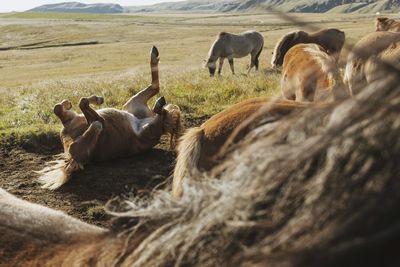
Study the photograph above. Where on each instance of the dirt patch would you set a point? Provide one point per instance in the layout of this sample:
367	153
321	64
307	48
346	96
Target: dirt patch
85	195
89	190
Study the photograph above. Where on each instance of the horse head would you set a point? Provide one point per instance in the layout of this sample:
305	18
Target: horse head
284	45
382	23
211	64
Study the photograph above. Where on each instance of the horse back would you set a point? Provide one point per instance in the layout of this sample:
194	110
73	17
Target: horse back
220	126
306	69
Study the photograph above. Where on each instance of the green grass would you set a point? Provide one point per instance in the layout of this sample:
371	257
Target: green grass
33	81
30	111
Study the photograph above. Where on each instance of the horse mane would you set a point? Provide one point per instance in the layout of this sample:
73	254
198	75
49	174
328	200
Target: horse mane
312	165
326	61
283	41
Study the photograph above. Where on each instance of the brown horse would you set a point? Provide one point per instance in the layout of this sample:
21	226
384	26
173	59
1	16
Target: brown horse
386	24
309	73
371	58
331	40
199	146
111	133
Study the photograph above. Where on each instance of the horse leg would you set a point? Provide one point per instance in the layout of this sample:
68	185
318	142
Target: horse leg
230	59
150	134
81	149
90	114
252	63
63	112
257	62
221	63
137	104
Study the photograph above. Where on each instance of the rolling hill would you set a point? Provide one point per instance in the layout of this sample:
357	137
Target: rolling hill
76	7
317	6
307	6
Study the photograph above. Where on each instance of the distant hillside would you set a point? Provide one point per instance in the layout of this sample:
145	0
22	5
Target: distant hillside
317	6
75	7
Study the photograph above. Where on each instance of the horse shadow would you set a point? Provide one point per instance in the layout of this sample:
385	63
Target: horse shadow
103	181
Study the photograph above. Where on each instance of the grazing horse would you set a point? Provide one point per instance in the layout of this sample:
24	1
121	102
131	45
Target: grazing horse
371	58
231	46
386	24
199	146
111	133
309	73
331	40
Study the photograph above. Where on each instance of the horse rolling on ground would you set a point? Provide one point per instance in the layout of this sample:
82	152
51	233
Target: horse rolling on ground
331	40
309	73
230	46
111	133
199	146
371	58
386	24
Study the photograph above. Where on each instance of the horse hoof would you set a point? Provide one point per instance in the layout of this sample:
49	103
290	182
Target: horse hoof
100	100
158	106
66	104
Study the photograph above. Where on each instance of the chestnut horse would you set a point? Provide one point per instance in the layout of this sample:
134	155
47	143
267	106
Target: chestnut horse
331	40
309	73
111	133
199	146
386	24
371	58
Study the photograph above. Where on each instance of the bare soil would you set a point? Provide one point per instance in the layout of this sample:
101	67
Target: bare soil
85	195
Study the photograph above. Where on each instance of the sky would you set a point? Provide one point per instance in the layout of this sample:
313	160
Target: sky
22	5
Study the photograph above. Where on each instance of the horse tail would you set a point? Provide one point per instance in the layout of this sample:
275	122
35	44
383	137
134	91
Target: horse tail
189	150
54	176
173	123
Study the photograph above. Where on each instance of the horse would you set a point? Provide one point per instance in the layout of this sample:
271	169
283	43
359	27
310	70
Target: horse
386	24
110	133
292	195
199	147
230	46
370	59
332	40
309	73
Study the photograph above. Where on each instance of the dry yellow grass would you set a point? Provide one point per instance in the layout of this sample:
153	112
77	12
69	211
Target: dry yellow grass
32	81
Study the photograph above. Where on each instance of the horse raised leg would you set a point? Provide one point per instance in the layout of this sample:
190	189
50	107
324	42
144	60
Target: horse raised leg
221	63
62	110
90	114
137	104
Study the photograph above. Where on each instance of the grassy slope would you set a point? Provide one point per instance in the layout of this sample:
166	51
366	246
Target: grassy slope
32	81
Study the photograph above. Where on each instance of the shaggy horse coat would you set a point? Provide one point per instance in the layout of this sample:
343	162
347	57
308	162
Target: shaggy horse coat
331	40
371	58
230	46
309	73
386	24
320	188
199	146
110	133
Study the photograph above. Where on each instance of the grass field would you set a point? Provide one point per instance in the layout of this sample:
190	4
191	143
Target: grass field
33	78
38	70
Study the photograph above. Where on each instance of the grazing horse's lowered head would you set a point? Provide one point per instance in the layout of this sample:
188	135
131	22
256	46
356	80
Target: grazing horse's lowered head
230	46
111	133
332	40
386	24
